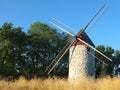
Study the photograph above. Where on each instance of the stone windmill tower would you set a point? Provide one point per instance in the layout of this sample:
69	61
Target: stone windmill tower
81	54
81	63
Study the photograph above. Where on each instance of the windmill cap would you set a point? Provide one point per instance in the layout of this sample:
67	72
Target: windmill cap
84	37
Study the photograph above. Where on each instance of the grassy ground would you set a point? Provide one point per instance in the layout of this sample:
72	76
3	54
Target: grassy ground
61	84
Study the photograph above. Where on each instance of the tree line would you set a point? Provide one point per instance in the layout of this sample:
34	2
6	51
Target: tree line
28	54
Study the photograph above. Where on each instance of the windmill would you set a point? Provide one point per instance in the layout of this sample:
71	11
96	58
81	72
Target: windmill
81	53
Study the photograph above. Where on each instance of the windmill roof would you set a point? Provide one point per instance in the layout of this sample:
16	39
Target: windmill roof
84	37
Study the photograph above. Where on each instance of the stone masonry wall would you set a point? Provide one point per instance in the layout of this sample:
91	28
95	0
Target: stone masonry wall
81	64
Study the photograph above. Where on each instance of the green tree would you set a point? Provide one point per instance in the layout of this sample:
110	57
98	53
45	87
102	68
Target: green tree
12	46
102	69
44	44
117	58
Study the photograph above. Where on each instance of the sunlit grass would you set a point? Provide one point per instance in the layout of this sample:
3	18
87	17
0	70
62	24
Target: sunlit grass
61	84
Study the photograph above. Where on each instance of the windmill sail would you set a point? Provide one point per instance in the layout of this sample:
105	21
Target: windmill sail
63	24
61	28
83	42
93	17
97	58
58	58
64	50
95	49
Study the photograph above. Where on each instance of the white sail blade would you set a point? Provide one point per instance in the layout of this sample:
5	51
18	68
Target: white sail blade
62	29
94	49
97	58
62	23
94	17
81	41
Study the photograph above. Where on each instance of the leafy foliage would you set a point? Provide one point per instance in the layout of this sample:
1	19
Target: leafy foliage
12	42
101	69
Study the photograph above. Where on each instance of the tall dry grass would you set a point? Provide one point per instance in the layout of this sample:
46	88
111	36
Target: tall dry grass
61	84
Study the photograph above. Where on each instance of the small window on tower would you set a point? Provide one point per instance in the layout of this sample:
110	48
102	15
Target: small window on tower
88	49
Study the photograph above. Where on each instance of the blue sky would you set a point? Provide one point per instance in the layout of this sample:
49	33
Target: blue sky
75	13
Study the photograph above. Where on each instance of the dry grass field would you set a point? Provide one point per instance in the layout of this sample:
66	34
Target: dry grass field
61	84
